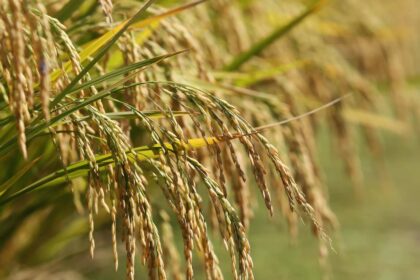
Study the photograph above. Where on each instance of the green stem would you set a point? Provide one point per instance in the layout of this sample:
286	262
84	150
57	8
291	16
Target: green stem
279	32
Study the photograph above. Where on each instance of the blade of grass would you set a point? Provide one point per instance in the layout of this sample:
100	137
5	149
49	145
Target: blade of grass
101	52
67	10
250	78
16	176
123	70
81	168
278	33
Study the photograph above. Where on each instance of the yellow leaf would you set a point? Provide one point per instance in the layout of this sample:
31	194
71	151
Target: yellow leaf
92	47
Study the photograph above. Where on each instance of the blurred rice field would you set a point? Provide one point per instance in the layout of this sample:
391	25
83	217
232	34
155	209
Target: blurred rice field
379	236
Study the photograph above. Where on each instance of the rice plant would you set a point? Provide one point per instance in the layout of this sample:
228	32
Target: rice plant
136	116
